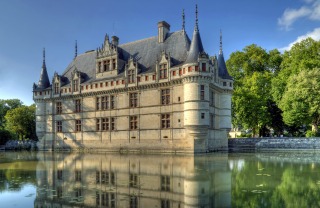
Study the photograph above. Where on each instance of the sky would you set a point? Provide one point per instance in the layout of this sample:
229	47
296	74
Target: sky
26	27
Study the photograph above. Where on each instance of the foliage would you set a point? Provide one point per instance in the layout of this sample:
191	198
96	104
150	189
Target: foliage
302	56
5	135
252	105
300	101
21	120
5	106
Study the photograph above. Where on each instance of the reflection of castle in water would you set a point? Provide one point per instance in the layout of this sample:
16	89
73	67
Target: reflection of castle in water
87	180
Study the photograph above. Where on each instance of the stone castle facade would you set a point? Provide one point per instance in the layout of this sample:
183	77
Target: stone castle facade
163	93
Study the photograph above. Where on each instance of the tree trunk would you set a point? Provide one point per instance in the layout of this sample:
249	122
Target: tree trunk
314	127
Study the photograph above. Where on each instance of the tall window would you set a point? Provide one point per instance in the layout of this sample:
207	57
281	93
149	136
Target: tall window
56	88
133	122
133	180
112	103
59	174
204	67
113	123
201	92
163	71
98	124
59	126
97	103
104	102
165	203
165	183
58	108
165	121
106	65
77	175
212	98
133	102
78	125
113	64
75	85
211	121
133	201
165	96
99	67
78	105
105	124
131	76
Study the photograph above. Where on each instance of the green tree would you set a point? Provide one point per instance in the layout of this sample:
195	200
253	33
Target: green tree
21	121
300	102
302	56
252	104
5	106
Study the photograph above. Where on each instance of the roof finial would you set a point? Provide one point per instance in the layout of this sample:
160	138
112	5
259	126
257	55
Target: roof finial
196	17
44	58
183	21
76	50
220	51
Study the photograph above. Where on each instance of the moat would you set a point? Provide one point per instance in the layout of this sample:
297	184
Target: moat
46	179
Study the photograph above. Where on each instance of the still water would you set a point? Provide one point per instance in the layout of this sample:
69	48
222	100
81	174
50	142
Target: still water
54	180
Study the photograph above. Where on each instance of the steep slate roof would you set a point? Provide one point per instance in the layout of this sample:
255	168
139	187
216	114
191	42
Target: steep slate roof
146	52
222	68
196	47
44	78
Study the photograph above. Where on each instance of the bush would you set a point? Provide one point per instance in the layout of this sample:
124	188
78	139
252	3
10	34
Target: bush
310	133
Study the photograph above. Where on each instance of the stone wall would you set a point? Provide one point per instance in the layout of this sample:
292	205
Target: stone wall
273	143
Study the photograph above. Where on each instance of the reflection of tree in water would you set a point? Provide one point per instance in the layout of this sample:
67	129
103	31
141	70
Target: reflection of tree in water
15	176
297	189
271	184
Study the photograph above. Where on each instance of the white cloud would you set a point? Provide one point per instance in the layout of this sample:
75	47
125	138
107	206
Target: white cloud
315	15
291	15
315	34
308	1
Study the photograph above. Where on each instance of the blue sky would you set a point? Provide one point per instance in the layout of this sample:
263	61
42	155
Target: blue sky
26	27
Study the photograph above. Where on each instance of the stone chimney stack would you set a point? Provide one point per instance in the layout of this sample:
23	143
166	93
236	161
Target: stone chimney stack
115	40
163	29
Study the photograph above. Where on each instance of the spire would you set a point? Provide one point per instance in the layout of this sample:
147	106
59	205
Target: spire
196	27
222	68
76	50
220	51
44	78
44	58
196	44
183	21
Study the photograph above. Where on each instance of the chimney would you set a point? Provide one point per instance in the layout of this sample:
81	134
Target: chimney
163	29
115	40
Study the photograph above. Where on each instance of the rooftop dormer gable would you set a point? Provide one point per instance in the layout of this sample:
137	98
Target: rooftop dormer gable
108	48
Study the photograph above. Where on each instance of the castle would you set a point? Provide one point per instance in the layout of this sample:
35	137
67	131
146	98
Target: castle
162	93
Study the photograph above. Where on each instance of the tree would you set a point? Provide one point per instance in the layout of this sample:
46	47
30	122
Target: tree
21	120
302	56
252	104
300	102
6	105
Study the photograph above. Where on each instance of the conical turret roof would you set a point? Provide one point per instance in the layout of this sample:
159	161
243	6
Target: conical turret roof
222	68
196	44
44	78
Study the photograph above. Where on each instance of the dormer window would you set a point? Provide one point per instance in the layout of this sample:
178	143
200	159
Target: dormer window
113	64
131	76
163	71
99	67
204	65
56	88
106	65
76	85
